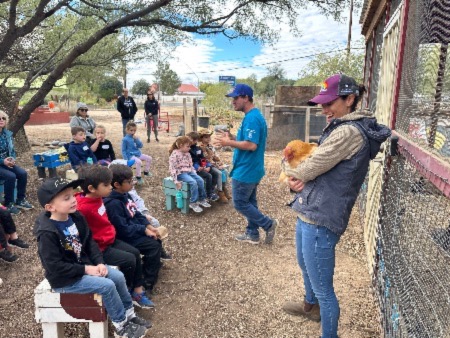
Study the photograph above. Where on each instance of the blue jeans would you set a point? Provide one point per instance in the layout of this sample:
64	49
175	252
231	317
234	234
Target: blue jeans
9	175
124	124
244	201
316	256
113	289
196	185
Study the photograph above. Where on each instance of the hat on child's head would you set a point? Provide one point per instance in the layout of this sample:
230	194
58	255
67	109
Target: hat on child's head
82	105
53	186
204	131
128	163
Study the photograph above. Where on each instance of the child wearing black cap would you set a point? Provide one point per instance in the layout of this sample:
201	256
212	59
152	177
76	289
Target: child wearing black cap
72	260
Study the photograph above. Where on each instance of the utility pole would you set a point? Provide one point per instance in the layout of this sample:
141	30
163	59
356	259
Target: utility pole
349	38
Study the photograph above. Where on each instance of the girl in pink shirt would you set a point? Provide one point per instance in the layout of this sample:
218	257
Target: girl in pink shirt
181	170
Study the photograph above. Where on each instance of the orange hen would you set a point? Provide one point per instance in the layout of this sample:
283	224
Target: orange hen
295	152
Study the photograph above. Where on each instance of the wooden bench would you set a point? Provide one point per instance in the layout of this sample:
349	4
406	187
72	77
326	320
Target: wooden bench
170	190
50	159
54	309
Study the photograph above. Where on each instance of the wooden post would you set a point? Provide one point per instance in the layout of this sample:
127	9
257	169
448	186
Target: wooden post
307	122
195	107
187	119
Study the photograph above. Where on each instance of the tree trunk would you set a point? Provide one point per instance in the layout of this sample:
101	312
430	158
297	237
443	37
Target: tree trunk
21	143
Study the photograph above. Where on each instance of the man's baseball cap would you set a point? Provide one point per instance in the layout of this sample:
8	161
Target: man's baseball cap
333	87
241	89
53	186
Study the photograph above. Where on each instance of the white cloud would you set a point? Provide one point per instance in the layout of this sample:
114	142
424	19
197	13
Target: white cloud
318	34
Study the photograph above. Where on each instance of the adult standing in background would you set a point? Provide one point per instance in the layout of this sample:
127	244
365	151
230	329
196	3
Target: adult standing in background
151	107
328	183
127	108
82	119
248	165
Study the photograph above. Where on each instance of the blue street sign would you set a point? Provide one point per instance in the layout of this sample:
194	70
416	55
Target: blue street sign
231	80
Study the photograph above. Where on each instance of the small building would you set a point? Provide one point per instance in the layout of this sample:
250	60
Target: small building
185	91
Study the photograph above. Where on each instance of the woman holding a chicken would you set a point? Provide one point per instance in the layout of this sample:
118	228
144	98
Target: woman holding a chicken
327	184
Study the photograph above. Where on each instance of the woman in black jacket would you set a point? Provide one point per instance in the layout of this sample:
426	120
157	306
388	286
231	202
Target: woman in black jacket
151	107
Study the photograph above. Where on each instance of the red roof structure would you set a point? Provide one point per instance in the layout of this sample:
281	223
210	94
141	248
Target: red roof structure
187	88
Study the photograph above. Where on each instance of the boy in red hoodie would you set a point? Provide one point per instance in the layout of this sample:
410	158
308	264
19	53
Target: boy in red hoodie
96	185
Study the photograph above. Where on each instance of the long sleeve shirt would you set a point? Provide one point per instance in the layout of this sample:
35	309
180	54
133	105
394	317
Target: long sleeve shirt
179	163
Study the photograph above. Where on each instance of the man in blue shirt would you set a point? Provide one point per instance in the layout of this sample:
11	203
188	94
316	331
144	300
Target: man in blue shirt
248	165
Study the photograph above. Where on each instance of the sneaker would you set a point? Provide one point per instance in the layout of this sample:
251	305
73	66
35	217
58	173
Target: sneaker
195	207
214	197
157	140
148	174
148	140
247	239
165	256
141	321
141	300
139	181
7	256
12	209
24	204
204	204
130	330
270	233
18	243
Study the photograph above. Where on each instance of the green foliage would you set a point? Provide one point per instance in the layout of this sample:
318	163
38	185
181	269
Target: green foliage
167	79
109	88
252	81
268	84
140	87
217	105
323	66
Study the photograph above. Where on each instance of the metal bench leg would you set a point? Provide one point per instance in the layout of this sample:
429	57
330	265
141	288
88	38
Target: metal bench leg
52	172
98	329
52	330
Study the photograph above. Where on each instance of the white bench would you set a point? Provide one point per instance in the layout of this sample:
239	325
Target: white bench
54	309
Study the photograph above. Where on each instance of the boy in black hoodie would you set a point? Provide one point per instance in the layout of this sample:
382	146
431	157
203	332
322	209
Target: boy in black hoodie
72	260
133	227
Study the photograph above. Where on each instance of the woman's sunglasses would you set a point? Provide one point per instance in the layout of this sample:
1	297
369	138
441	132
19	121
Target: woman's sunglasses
83	110
3	118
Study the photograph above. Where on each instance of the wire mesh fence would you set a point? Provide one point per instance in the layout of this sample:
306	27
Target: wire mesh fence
411	271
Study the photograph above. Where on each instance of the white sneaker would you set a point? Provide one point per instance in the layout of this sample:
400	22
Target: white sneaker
204	204
195	207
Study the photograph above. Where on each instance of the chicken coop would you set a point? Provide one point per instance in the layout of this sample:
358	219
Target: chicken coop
291	118
404	203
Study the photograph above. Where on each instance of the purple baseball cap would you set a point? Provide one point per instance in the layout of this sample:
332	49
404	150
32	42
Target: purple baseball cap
333	87
241	89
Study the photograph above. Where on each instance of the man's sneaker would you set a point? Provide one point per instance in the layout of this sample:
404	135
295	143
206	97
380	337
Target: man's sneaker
141	300
247	239
148	140
7	256
204	204
24	204
18	243
147	173
195	207
157	140
139	181
130	330
12	209
270	233
141	321
165	256
214	197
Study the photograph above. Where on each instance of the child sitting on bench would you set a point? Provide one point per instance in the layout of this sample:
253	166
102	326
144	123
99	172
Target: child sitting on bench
72	260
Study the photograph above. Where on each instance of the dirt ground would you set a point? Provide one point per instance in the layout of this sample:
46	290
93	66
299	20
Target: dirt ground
215	286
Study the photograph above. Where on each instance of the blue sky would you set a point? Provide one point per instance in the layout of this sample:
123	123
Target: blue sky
210	57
